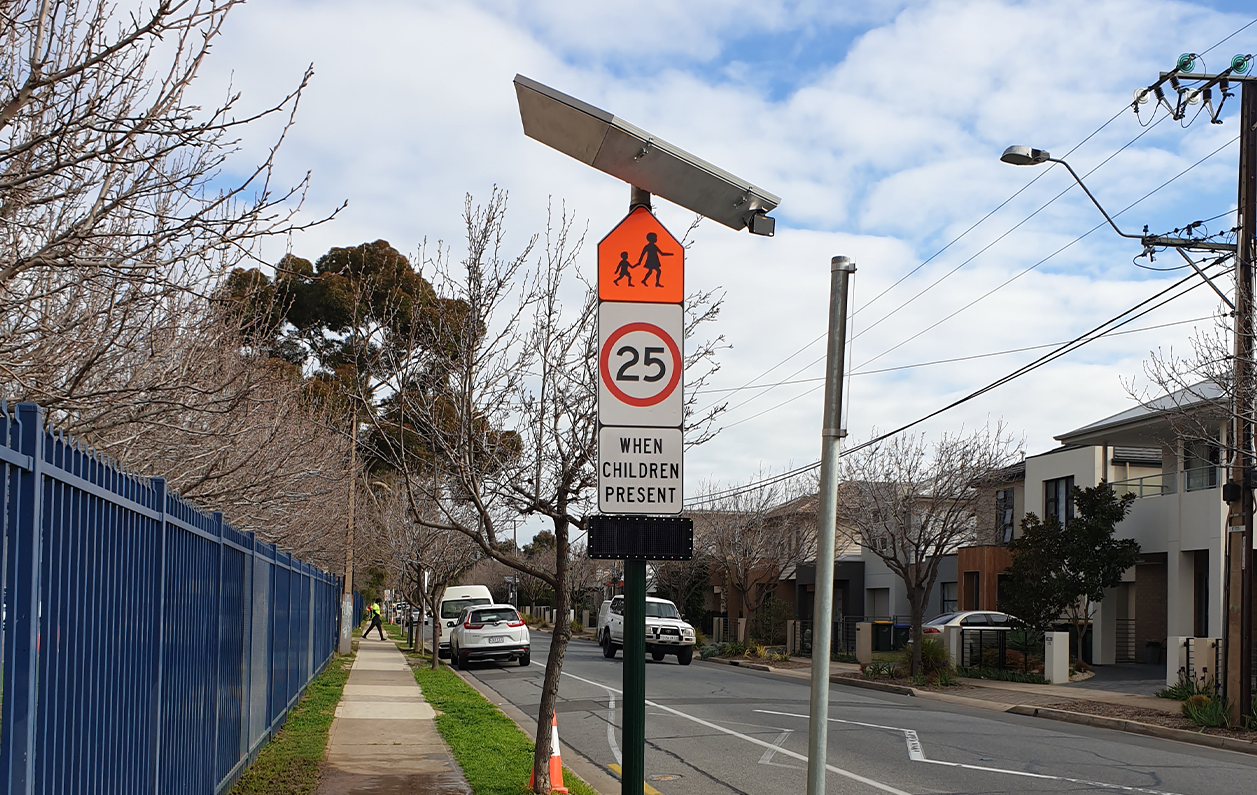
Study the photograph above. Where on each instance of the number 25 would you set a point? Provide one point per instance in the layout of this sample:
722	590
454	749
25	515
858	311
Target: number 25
650	359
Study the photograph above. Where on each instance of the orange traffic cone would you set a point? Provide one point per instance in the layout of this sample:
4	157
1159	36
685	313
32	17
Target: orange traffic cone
556	762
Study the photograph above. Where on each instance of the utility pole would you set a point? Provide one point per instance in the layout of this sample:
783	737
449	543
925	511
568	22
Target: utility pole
1237	637
1239	618
840	270
347	617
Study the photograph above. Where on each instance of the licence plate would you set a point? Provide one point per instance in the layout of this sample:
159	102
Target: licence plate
496	639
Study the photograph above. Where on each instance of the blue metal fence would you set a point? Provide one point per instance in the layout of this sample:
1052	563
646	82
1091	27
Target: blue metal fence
148	647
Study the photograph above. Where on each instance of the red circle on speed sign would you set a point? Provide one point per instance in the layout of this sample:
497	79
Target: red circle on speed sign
604	364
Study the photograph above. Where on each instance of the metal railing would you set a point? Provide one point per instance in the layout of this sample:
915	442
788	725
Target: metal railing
1195	479
842	637
148	646
1017	649
1125	640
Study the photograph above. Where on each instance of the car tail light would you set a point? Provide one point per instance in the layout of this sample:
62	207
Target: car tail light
468	625
931	630
518	622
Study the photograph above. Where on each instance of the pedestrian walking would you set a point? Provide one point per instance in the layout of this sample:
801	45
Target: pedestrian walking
376	624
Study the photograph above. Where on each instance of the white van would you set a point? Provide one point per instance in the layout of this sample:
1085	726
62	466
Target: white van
451	604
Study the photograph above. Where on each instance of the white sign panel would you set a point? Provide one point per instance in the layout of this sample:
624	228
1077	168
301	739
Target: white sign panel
639	364
639	470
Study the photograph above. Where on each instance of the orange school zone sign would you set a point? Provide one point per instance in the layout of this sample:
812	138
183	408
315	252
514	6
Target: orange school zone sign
641	261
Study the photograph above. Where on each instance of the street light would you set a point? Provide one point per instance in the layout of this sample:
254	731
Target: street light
1029	156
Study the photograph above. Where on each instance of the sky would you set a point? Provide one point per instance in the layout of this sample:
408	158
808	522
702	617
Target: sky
880	126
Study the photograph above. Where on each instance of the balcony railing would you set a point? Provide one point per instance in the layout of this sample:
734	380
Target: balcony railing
1195	479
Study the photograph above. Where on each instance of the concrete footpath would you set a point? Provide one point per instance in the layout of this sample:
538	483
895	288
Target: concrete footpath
384	738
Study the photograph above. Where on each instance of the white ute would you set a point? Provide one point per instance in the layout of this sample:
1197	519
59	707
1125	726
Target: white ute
666	632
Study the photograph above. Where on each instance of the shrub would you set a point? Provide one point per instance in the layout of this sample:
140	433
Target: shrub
578	626
1186	687
945	677
843	658
919	680
758	650
934	657
1251	718
708	651
883	670
1204	710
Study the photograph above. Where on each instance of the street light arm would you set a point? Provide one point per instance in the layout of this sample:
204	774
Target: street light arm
1091	196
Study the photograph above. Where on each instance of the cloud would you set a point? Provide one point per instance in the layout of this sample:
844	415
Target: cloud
879	124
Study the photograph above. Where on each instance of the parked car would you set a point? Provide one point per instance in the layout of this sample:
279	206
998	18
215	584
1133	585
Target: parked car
666	632
970	619
450	606
489	632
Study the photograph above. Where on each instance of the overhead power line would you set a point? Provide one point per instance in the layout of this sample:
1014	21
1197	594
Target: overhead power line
971	357
1091	335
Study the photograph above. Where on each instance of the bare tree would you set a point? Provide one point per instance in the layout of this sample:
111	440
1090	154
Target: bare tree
584	577
119	230
683	580
424	559
753	535
506	408
910	503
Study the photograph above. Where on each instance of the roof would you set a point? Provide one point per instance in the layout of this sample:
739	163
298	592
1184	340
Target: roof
1146	423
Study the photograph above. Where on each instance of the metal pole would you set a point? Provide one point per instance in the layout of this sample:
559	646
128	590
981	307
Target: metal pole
840	270
347	618
1239	619
633	773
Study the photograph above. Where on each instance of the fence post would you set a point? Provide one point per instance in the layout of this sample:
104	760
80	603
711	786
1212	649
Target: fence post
864	642
742	630
790	624
1056	657
159	489
23	575
218	639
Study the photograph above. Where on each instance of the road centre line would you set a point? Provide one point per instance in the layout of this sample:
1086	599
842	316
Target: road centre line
917	754
747	738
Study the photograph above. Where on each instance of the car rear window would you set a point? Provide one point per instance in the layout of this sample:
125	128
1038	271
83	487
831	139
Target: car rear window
496	614
453	607
943	619
978	619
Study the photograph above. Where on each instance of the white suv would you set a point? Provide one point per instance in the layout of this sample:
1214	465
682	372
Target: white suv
666	632
489	632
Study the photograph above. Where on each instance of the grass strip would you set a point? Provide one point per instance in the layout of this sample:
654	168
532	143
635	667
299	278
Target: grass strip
289	763
496	757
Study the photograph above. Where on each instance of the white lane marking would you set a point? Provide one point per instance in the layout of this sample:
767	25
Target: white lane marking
753	740
615	749
917	754
611	743
767	758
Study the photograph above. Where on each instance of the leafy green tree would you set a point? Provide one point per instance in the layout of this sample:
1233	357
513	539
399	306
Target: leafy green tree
1066	571
1037	591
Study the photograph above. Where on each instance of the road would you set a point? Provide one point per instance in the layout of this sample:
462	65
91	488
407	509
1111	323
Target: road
714	729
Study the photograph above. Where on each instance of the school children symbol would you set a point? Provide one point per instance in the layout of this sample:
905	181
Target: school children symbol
641	261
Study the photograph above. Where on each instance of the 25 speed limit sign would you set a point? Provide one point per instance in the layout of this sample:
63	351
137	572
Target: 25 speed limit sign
640	359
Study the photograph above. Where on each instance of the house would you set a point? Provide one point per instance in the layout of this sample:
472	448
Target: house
1167	454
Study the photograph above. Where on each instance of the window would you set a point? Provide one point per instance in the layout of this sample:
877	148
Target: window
949	593
1004	515
1001	588
1202	466
1058	499
661	610
453	607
